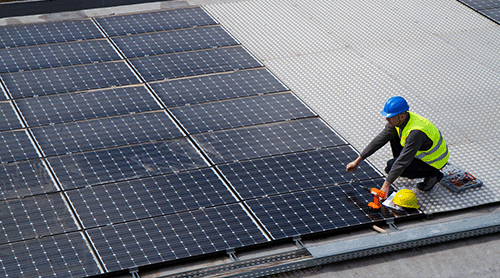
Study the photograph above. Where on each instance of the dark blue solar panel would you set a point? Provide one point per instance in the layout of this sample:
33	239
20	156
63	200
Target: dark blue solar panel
482	4
155	21
266	140
149	197
294	172
16	146
3	94
68	79
62	108
8	117
493	14
56	55
50	32
217	87
105	133
318	210
119	164
66	255
34	217
241	112
194	63
175	236
173	41
25	178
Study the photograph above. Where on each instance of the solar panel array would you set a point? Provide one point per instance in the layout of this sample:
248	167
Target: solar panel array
488	8
146	138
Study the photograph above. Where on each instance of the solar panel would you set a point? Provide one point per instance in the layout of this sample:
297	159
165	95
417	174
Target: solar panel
35	217
267	140
25	178
129	162
50	32
173	41
184	64
8	117
61	108
68	79
481	4
241	112
316	210
154	21
105	133
60	255
493	14
174	236
56	55
215	87
16	146
149	197
293	172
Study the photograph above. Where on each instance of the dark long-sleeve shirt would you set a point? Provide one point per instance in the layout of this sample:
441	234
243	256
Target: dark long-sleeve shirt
416	140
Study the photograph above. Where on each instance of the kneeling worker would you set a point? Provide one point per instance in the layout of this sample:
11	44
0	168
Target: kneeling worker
418	147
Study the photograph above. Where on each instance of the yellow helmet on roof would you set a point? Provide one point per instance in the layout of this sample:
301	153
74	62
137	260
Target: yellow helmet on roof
406	198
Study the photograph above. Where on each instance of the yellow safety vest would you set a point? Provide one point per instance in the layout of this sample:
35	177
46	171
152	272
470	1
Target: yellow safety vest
437	155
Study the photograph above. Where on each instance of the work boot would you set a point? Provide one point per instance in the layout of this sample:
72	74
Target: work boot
430	181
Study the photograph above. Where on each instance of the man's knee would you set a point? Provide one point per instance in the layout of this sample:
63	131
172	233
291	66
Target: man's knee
390	162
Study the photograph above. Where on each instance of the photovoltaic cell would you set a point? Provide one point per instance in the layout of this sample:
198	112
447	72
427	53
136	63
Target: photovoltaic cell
493	14
105	133
56	55
68	79
318	210
8	117
25	178
154	21
241	112
62	108
149	197
294	172
51	256
130	162
217	87
173	41
16	146
266	140
184	64
34	217
175	236
50	32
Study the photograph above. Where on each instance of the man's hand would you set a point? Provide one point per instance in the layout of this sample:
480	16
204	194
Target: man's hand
352	166
385	187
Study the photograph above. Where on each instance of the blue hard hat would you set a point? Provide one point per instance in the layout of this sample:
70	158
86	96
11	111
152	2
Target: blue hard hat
395	106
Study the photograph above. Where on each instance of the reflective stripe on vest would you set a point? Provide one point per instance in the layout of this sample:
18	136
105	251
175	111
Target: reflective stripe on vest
437	155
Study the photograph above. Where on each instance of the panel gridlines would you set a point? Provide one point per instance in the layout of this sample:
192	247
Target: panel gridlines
141	190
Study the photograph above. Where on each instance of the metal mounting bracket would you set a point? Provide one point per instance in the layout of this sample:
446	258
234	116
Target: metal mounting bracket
298	242
134	272
232	254
392	226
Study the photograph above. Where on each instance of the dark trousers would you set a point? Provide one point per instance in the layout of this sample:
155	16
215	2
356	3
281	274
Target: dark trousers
416	169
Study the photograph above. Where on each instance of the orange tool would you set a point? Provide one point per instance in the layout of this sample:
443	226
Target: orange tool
377	196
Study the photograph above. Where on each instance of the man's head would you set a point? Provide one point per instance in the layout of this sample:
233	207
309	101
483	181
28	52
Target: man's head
395	111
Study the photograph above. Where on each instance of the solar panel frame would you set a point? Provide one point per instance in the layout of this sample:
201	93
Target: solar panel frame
61	108
184	64
222	86
25	178
493	14
170	237
266	140
165	42
9	119
106	132
56	55
69	79
154	21
118	164
241	112
293	172
149	197
49	32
